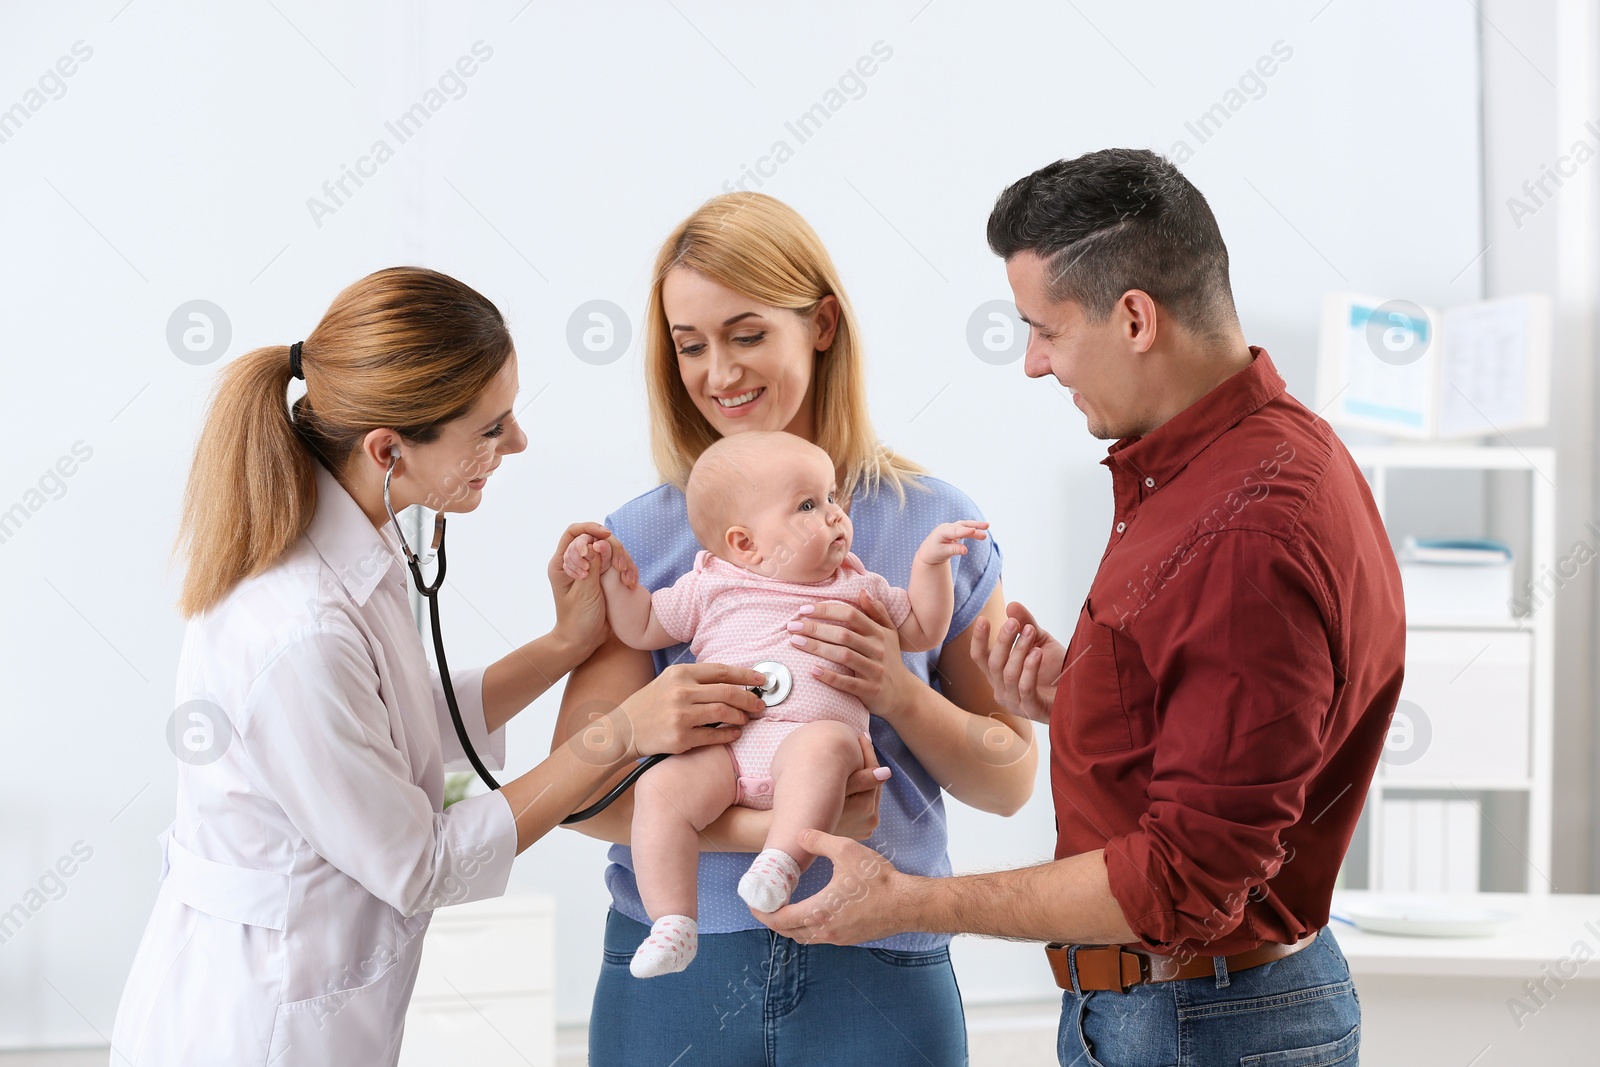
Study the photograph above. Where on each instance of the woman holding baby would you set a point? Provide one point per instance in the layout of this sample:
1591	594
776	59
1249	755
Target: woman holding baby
748	330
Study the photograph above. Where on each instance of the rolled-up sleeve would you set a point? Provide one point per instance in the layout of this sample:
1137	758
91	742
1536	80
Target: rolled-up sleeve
320	742
1244	683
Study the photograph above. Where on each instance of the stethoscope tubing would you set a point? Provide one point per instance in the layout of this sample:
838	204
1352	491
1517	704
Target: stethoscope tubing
461	730
779	679
430	591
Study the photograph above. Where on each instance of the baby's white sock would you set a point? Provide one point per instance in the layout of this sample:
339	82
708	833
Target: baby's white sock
673	941
769	881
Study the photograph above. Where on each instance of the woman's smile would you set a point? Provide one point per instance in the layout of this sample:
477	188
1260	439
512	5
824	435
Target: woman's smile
477	484
738	405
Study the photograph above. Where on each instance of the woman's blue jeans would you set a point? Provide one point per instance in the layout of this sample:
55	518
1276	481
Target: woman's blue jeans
755	999
1300	1011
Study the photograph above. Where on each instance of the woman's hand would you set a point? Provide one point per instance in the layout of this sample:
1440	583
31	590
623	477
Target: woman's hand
859	819
866	644
689	705
1023	665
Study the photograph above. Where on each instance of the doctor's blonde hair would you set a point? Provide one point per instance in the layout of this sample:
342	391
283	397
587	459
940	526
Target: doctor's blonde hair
406	348
759	246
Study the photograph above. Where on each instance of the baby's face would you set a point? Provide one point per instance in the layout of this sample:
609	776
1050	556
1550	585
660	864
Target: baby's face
798	527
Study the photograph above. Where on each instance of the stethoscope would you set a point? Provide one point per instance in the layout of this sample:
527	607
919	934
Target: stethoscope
779	681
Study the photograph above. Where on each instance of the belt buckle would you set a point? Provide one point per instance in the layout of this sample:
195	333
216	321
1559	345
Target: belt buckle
1141	968
1130	968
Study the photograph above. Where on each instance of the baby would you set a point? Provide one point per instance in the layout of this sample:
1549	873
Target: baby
775	539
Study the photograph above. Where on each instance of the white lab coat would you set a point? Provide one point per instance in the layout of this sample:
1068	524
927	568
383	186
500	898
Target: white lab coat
304	863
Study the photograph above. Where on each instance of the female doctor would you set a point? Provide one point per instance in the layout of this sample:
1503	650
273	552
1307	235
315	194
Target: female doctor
310	844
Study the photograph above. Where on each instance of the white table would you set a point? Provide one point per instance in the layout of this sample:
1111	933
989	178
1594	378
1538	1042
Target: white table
1448	1001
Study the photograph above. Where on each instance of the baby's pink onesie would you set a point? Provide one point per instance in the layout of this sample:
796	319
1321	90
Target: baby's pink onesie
736	616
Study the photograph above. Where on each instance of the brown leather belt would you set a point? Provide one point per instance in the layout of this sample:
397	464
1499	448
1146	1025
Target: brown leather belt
1104	967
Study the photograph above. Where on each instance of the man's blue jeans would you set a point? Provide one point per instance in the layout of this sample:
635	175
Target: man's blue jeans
1300	1011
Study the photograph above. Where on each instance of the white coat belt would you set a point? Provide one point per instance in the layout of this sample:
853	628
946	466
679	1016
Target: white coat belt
237	894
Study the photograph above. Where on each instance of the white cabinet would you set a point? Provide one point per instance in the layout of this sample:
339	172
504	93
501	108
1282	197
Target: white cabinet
1469	692
1477	707
485	992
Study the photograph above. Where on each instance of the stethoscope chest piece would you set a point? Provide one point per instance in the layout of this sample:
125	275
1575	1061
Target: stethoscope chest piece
779	682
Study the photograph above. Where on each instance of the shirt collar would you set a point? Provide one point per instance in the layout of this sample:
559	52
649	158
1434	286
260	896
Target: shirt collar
355	550
1160	454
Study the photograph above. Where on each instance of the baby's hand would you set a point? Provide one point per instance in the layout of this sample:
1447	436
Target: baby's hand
581	552
945	541
607	554
575	561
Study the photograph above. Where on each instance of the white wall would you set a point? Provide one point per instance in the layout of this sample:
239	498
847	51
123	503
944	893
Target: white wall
1539	91
177	166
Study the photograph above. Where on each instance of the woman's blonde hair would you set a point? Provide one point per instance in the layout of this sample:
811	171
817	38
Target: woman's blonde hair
760	247
408	349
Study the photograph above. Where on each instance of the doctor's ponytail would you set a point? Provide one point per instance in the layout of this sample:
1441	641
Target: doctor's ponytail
407	349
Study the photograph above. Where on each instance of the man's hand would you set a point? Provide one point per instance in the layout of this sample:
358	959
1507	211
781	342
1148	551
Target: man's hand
1023	668
865	900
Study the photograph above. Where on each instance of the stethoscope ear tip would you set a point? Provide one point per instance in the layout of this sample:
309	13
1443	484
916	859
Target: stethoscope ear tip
435	549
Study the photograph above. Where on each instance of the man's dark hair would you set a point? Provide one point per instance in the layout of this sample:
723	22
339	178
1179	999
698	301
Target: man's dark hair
1114	220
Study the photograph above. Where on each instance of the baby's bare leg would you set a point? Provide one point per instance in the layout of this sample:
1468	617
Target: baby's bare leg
809	771
808	778
672	803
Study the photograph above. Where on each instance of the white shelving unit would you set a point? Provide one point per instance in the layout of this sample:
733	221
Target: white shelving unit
1534	777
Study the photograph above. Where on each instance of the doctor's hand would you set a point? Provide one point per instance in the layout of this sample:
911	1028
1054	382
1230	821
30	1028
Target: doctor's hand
866	899
1023	664
580	605
692	704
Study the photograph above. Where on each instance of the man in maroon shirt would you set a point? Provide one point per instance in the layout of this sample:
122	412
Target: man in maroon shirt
1220	708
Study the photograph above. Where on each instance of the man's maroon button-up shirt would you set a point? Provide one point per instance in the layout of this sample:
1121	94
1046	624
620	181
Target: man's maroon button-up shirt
1230	681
